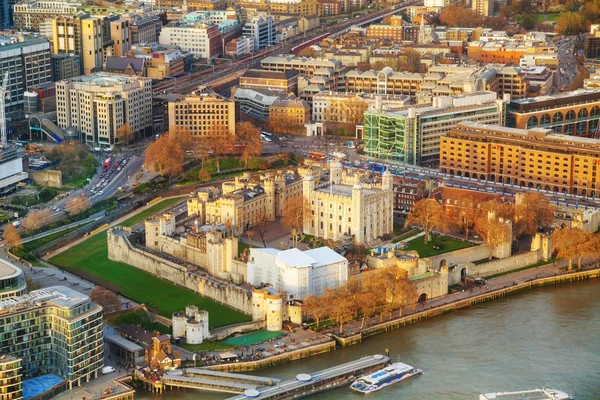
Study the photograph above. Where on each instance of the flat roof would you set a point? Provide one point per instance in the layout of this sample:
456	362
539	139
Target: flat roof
8	270
36	386
124	343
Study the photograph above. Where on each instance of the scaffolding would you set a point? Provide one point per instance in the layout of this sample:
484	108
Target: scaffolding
387	136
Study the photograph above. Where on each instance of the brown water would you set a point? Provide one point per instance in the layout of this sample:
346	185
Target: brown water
545	337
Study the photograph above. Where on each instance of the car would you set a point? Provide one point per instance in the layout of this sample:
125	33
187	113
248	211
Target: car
260	349
101	192
108	370
278	345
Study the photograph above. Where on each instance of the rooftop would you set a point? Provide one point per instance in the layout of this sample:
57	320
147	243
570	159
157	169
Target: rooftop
60	296
342	190
8	270
303	259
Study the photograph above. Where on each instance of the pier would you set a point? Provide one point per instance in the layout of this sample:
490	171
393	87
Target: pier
321	381
215	381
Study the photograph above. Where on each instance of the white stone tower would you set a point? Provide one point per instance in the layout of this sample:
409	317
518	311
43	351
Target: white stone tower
358	217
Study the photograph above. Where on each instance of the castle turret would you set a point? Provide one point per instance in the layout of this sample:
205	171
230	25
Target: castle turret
387	180
269	186
358	203
308	189
335	171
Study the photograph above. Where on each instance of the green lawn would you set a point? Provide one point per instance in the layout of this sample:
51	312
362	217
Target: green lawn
207	345
139	317
4	216
549	17
243	246
427	250
25	250
92	256
406	235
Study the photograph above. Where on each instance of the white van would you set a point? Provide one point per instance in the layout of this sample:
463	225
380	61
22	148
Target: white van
108	370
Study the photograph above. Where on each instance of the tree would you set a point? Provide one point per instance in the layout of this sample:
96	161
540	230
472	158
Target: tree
429	215
316	308
107	299
341	307
204	176
349	110
261	228
566	242
400	291
125	134
37	219
31	284
165	156
77	205
455	16
467	214
410	60
588	246
492	231
11	236
219	145
570	23
248	138
532	212
293	217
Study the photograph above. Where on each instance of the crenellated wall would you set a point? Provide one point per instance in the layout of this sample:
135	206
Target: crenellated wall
121	250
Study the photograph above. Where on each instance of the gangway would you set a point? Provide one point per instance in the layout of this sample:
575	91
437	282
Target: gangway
46	126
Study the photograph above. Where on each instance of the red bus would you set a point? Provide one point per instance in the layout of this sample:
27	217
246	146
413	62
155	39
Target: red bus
317	156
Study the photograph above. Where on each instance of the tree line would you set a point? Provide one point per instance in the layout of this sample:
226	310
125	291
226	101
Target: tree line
377	292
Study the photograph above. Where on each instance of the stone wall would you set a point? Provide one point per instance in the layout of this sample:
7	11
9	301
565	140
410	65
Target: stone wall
455	258
121	250
220	334
46	177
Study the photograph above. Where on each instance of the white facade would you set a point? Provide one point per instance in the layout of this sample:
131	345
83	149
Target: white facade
196	38
191	325
435	3
262	28
98	105
299	273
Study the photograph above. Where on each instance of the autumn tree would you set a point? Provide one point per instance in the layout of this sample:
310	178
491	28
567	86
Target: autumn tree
293	217
165	156
107	299
566	243
125	134
429	215
77	205
341	308
455	16
532	212
11	236
247	136
400	291
261	228
467	214
204	176
37	219
589	246
570	23
219	145
316	308
492	231
349	110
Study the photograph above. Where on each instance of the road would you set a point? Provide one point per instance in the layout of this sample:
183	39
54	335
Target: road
566	63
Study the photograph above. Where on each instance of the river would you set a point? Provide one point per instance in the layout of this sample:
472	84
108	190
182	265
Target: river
544	337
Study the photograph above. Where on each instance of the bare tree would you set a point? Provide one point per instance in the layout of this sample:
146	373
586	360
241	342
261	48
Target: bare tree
293	217
107	299
492	231
533	212
467	214
429	215
261	228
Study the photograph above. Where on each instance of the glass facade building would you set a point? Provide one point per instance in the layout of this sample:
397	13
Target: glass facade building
54	330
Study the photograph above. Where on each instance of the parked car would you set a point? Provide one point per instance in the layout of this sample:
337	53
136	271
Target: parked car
108	370
278	345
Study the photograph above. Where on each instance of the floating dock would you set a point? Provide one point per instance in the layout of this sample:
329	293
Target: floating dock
321	381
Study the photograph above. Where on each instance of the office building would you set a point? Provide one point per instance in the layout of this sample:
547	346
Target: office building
143	28
338	107
534	158
204	114
288	115
28	63
309	67
240	46
80	35
30	14
262	29
54	330
273	80
347	209
11	385
591	44
256	102
571	113
298	273
201	39
412	134
65	66
98	105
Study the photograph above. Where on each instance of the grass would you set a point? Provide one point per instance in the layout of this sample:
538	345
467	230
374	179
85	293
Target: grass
29	200
446	243
399	229
138	317
91	256
537	264
25	251
207	345
4	216
244	246
552	17
253	338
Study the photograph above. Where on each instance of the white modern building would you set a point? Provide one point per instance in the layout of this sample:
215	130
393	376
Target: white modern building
12	280
262	28
98	105
298	273
203	40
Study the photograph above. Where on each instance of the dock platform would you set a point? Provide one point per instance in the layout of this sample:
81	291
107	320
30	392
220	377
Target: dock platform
321	381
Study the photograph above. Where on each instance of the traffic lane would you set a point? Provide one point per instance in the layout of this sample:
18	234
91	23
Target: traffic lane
120	179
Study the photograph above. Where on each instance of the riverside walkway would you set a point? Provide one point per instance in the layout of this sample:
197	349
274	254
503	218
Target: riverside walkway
327	379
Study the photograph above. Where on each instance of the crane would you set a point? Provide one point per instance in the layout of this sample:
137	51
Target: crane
4	90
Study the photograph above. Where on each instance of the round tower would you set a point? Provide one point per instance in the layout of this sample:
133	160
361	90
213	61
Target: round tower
295	312
178	322
274	322
193	332
202	317
258	304
191	311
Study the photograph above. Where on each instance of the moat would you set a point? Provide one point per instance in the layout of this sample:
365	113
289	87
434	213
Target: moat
543	337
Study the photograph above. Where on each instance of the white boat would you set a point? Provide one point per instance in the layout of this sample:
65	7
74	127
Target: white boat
535	394
385	377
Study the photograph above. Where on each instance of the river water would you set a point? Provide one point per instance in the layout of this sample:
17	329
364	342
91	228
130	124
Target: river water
544	337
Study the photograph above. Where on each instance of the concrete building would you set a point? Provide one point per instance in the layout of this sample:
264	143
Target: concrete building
262	29
530	158
256	103
11	385
245	201
203	40
412	134
591	44
338	107
298	273
308	23
30	14
28	63
98	105
271	80
204	114
56	339
11	170
65	66
143	28
191	325
80	35
289	115
240	46
305	66
483	7
347	208
571	113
